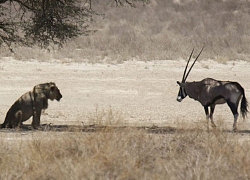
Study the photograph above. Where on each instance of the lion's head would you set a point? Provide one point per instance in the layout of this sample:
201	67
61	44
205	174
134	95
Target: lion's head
54	92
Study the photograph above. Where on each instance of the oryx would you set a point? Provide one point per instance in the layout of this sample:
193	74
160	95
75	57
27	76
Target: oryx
210	92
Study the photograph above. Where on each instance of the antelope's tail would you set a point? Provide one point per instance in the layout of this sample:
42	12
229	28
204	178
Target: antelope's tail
244	104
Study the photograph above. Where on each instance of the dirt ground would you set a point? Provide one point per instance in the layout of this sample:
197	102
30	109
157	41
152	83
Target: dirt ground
142	93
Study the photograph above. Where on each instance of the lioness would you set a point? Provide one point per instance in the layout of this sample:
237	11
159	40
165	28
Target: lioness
31	104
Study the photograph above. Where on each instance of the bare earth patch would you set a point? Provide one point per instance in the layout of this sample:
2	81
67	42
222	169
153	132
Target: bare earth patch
142	93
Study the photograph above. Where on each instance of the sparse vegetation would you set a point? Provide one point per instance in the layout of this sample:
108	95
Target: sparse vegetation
161	29
124	153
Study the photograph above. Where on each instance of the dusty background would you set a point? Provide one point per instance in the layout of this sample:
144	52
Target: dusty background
142	93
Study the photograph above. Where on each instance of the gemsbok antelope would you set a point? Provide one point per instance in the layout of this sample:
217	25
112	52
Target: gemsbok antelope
210	92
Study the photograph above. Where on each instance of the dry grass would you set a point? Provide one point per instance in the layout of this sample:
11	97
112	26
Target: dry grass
163	29
125	153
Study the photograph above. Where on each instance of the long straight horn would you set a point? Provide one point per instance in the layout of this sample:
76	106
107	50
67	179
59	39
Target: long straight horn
193	64
183	80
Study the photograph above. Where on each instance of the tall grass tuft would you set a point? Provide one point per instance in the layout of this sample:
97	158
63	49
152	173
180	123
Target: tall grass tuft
125	153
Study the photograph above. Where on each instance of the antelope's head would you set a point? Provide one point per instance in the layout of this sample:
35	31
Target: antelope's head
182	93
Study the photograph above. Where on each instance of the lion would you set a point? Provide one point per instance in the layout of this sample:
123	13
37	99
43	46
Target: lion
31	104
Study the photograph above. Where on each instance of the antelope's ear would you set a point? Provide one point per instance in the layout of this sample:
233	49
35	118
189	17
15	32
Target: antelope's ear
180	84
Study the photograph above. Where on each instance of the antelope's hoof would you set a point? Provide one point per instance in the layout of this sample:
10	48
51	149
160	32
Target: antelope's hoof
37	127
213	125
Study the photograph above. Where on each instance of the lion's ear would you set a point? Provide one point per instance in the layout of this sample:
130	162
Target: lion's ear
52	88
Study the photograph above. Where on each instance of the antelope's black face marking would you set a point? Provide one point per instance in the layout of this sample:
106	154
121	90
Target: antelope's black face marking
181	94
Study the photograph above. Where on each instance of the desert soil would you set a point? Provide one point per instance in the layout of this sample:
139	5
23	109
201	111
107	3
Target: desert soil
142	93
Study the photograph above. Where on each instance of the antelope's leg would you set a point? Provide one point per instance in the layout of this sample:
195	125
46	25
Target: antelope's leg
207	115
211	115
233	108
235	122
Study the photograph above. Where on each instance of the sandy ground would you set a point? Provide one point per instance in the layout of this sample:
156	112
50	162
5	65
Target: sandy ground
143	93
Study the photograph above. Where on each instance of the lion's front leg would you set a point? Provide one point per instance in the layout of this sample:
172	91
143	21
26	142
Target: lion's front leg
36	120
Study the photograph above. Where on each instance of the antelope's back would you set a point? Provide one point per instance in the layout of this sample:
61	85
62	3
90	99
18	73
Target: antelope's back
226	89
